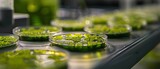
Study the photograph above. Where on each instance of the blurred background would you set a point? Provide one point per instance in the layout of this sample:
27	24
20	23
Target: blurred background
42	12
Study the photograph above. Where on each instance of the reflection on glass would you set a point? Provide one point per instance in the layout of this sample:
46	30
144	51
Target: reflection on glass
33	59
86	60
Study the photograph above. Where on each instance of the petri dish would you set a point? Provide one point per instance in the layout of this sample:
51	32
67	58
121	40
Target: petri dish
8	40
79	41
111	32
33	59
69	25
35	36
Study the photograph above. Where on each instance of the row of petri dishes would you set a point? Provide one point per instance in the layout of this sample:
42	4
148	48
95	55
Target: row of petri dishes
48	58
87	34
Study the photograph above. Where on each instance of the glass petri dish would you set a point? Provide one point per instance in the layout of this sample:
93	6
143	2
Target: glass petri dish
7	40
119	32
111	32
138	24
69	25
86	60
79	41
100	19
33	59
136	21
35	36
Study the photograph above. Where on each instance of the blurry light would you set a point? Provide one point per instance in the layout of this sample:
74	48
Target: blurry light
50	52
32	8
86	56
99	55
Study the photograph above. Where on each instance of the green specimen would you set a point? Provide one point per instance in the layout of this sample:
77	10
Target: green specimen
37	34
6	41
136	21
111	32
31	59
79	42
70	25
